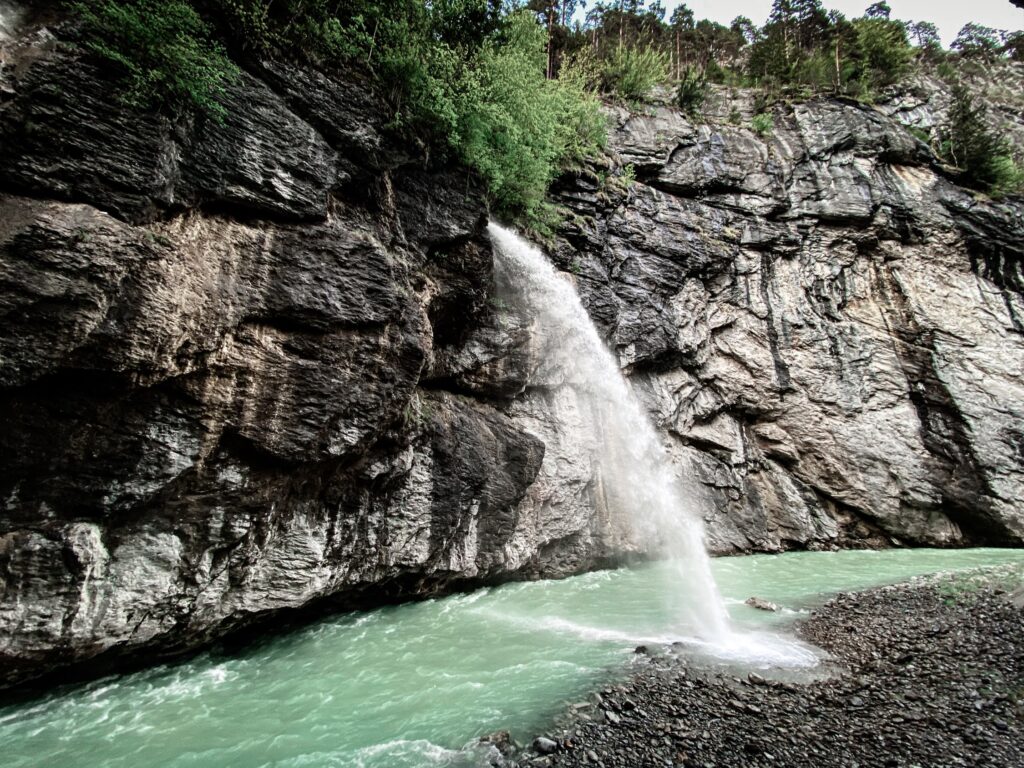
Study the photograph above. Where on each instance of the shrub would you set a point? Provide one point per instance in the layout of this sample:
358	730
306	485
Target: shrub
763	124
165	52
631	73
884	53
691	92
983	156
519	129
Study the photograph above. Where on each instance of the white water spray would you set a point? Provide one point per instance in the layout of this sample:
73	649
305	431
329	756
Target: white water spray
636	477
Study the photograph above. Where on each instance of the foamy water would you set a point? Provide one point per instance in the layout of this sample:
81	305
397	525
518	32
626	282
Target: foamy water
639	483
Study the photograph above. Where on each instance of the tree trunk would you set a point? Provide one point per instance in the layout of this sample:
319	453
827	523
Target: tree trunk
622	20
839	78
551	40
679	61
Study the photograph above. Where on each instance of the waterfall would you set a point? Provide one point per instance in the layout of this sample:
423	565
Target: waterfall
635	474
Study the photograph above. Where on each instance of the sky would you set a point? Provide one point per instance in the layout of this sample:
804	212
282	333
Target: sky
948	15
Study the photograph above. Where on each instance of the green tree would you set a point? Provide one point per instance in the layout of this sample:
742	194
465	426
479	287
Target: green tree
1014	46
884	52
976	40
925	35
982	155
879	10
681	23
745	28
632	72
517	127
165	53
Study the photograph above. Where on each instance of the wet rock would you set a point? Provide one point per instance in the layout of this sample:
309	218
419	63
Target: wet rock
544	745
761	604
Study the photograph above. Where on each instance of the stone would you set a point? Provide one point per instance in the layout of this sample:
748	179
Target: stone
761	604
544	745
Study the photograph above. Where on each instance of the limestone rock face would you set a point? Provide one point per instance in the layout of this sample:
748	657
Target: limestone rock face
827	330
246	368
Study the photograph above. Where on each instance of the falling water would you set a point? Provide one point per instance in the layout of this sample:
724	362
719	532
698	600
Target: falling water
637	479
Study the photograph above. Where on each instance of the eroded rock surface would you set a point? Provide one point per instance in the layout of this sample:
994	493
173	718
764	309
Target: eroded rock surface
244	369
826	328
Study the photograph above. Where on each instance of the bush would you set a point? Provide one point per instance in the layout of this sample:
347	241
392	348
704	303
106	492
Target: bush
631	73
763	124
691	92
884	53
519	129
983	156
165	52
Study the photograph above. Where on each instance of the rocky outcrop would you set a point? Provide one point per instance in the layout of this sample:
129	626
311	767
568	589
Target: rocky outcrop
238	370
826	328
266	365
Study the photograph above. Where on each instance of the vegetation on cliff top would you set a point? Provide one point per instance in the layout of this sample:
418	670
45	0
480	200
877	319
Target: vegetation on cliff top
511	87
464	77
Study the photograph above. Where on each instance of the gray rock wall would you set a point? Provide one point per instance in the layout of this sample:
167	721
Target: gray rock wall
235	376
827	330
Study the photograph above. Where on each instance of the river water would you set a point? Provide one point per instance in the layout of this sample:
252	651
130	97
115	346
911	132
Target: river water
410	685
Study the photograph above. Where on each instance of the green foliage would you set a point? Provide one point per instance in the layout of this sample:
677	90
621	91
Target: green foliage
808	52
517	128
920	134
976	40
164	51
1014	46
925	35
763	124
967	587
631	73
628	176
983	156
883	51
691	91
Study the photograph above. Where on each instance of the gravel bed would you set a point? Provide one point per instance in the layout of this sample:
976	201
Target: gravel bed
930	674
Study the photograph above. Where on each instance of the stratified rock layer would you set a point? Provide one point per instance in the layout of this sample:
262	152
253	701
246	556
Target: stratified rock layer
827	329
234	377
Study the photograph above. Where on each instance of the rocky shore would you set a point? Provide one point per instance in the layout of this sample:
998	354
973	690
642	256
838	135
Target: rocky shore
931	673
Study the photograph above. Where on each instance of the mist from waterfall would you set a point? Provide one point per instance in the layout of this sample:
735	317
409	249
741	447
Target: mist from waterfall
634	475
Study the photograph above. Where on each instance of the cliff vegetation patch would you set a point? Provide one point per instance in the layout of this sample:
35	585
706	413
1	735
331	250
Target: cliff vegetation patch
465	78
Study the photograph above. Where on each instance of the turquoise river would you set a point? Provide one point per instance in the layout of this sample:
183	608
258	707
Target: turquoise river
411	685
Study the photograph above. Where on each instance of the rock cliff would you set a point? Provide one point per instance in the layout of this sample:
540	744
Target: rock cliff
268	364
827	328
233	370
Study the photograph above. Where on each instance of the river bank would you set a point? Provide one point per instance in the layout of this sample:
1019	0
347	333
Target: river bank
930	673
